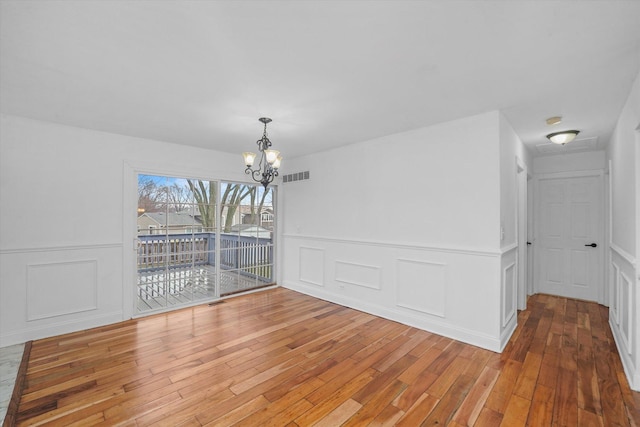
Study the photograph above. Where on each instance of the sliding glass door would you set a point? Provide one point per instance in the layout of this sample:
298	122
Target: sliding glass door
246	238
199	240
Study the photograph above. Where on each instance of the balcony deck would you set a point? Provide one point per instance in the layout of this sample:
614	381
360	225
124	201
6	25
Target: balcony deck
178	269
188	284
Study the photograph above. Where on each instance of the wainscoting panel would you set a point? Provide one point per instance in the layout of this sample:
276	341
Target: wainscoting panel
455	292
509	293
351	273
312	266
55	289
614	307
623	319
421	286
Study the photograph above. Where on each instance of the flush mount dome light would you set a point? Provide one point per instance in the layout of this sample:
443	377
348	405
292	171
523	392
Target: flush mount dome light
563	137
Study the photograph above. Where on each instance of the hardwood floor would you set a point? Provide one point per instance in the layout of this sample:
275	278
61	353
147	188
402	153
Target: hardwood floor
280	358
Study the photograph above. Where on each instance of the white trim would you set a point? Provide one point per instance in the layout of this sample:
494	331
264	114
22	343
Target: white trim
506	317
628	339
615	286
51	329
623	254
442	312
377	286
572	174
31	267
507	332
60	248
627	361
465	251
521	225
309	280
510	248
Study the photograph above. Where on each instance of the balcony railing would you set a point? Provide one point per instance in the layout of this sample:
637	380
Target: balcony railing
250	256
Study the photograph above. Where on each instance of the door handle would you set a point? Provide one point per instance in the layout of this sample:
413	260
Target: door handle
593	245
528	243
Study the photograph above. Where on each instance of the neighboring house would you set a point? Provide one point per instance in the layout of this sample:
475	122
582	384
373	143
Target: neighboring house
251	230
265	220
171	223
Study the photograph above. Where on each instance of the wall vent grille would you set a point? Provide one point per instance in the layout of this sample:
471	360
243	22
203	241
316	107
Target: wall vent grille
298	176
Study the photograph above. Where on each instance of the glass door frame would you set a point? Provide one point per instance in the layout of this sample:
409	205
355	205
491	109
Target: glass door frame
131	171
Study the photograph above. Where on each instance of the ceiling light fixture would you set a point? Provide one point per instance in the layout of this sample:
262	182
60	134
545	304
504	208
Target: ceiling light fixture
269	159
563	137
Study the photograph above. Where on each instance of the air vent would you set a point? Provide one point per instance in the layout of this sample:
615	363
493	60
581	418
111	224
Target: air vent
298	176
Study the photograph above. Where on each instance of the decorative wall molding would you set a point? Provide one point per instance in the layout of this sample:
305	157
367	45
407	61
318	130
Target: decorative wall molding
311	269
421	286
353	273
52	288
615	288
60	248
626	293
627	361
570	174
509	278
623	254
449	249
59	327
510	248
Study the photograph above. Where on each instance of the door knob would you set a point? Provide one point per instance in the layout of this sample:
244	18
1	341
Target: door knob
593	245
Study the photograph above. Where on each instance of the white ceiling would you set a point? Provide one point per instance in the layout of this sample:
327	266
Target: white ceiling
328	73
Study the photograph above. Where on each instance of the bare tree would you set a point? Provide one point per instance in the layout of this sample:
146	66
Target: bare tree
230	200
151	197
205	196
233	195
179	197
256	209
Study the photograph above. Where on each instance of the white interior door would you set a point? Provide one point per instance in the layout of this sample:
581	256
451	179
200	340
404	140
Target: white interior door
570	237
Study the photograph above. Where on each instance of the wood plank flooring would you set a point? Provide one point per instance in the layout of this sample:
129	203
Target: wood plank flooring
280	358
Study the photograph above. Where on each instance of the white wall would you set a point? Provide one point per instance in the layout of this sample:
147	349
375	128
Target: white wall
624	271
66	243
511	148
405	227
511	153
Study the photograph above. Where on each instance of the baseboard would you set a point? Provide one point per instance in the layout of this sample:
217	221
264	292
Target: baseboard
632	374
508	331
60	328
476	338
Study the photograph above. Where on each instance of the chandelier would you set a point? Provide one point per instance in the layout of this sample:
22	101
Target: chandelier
270	160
